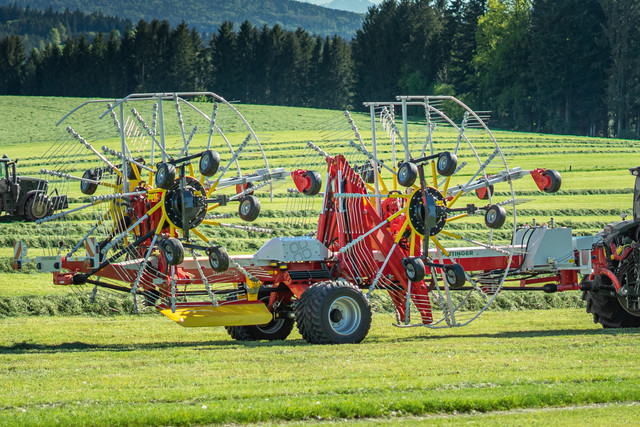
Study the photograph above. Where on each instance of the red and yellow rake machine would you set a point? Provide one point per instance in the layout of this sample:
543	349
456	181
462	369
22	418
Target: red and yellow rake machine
428	221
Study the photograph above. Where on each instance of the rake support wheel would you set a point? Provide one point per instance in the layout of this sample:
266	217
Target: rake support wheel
218	258
407	174
249	208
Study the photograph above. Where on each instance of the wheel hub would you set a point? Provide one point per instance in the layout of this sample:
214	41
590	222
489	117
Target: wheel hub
434	210
186	205
344	315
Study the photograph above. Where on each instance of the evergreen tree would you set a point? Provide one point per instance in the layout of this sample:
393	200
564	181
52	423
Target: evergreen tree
336	76
286	82
224	78
98	66
303	90
623	87
400	49
569	53
181	56
246	52
462	25
12	65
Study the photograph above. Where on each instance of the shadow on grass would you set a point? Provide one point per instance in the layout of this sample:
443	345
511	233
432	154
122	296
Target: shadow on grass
79	346
517	334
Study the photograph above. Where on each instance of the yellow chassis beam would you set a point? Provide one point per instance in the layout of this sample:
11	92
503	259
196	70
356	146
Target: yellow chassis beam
222	315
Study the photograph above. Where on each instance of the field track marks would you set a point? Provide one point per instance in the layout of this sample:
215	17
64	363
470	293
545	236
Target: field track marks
510	417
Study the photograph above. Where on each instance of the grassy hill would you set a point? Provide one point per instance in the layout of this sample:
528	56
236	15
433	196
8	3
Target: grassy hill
207	16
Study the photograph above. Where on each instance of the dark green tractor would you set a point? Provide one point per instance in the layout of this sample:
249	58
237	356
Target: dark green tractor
26	196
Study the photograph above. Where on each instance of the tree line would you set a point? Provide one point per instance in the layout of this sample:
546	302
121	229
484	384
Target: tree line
37	28
560	66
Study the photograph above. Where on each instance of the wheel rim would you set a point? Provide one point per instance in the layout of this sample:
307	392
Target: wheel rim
624	302
411	271
451	277
214	261
491	216
271	327
344	315
161	175
245	207
443	163
39	209
402	174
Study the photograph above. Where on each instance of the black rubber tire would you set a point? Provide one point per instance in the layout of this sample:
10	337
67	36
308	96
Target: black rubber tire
407	174
277	329
333	312
316	183
165	175
249	208
88	188
607	310
454	275
447	163
495	216
218	258
38	206
414	267
209	163
173	251
556	180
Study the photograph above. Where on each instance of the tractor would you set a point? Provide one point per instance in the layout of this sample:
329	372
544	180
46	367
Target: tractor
26	196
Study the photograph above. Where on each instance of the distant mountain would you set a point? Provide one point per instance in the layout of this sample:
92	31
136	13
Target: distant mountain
358	6
207	16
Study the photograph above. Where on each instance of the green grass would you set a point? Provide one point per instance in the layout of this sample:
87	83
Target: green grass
147	371
536	367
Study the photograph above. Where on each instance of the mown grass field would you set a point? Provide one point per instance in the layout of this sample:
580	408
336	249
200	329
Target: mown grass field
143	371
537	367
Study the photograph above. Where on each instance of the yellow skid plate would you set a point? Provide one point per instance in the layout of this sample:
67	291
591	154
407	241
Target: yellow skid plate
223	315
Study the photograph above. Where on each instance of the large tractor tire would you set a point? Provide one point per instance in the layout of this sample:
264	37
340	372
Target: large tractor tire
608	310
277	329
333	312
38	206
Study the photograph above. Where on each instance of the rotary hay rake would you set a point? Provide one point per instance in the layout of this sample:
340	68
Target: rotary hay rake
382	199
426	219
152	176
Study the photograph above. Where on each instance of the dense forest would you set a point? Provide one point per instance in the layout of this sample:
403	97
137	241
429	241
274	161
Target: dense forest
207	16
38	28
560	66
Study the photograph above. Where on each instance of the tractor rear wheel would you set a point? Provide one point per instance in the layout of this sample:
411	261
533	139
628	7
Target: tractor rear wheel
608	310
333	312
277	329
38	206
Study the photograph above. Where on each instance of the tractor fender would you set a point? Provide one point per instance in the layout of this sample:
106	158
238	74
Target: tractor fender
23	200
